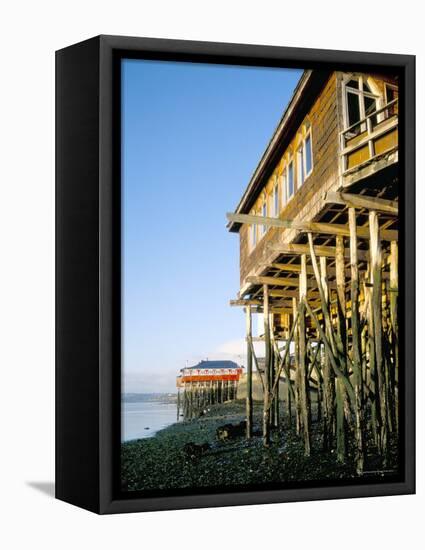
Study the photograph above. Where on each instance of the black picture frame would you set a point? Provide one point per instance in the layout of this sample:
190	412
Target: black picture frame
88	286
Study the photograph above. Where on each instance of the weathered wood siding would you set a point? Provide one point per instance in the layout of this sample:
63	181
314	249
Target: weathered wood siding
324	121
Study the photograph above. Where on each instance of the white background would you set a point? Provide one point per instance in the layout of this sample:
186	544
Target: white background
30	32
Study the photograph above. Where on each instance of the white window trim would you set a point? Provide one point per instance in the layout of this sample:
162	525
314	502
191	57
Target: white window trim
263	228
306	175
288	196
284	198
361	79
300	165
276	207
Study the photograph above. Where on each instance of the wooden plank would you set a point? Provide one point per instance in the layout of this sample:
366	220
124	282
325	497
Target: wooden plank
361	201
279	281
331	271
291	268
244	303
277	310
278	293
312	227
327	251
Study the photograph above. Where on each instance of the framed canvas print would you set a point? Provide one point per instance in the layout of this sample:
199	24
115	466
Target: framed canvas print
234	274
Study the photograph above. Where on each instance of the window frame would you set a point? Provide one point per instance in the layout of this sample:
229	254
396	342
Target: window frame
361	94
290	164
300	165
308	134
276	198
263	227
388	85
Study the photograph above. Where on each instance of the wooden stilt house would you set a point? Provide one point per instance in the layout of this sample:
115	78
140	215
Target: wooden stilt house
318	230
206	383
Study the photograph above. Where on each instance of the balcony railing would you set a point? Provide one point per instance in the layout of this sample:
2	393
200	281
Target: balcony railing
370	137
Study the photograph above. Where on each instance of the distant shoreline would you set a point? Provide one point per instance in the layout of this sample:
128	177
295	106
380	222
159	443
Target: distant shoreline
149	397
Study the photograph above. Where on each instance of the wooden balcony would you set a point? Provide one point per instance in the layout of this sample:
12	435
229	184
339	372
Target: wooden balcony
370	139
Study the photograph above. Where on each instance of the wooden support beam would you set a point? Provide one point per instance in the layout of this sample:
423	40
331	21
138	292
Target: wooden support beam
394	323
249	414
304	385
267	365
376	262
361	201
279	293
277	310
311	227
341	308
328	374
320	250
279	281
245	303
356	342
291	268
331	271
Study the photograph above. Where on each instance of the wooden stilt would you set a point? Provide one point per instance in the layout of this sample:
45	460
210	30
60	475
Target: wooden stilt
328	374
356	343
304	382
267	366
297	371
340	393
394	323
178	403
376	261
288	391
248	372
273	375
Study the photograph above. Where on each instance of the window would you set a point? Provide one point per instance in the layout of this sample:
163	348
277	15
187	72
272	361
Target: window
290	188
264	214
391	94
284	190
360	102
308	155
300	166
276	199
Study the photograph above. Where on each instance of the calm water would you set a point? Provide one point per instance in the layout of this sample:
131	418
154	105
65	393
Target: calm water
138	416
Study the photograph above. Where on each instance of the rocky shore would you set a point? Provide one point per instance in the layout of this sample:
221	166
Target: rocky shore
190	454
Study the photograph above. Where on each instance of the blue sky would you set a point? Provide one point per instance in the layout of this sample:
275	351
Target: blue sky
192	135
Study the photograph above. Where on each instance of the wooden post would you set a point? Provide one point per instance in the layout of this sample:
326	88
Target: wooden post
298	421
394	321
277	396
328	374
248	372
178	403
356	342
304	382
376	262
340	393
267	365
288	387
274	357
